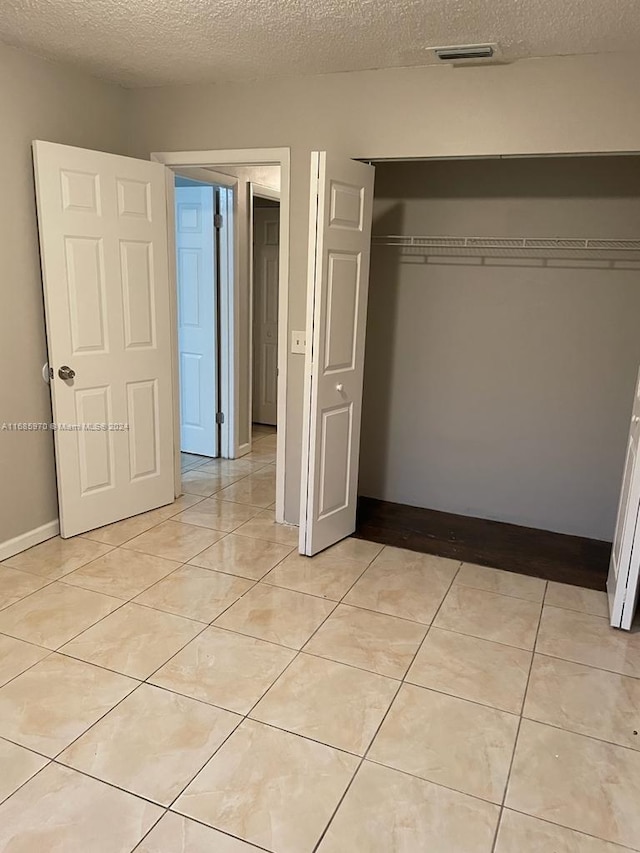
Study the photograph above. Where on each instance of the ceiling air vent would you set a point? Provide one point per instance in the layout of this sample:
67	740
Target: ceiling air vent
465	52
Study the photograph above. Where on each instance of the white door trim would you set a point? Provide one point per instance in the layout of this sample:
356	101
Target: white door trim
176	160
258	191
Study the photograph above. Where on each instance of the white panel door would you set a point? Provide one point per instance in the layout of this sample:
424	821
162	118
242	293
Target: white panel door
197	332
266	252
624	568
103	240
339	248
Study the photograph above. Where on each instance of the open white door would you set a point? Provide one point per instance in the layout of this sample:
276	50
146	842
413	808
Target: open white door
103	241
266	237
622	583
339	249
197	321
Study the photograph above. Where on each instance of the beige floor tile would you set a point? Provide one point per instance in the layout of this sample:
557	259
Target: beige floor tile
270	788
16	585
584	700
325	575
479	670
257	489
17	765
403	583
239	555
218	514
328	702
177	834
276	615
577	782
264	455
226	669
81	815
385	811
373	641
122	531
448	741
152	744
232	467
587	639
577	598
206	483
520	833
355	549
121	573
195	593
53	615
264	526
54	702
489	616
135	640
174	541
194	459
497	580
57	557
16	656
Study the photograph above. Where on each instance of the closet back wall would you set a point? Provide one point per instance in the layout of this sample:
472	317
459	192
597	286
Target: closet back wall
503	389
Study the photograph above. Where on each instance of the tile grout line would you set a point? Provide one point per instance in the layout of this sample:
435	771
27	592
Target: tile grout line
382	721
517	737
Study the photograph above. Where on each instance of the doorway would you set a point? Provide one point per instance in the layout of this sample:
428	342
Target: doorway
198	222
265	261
243	168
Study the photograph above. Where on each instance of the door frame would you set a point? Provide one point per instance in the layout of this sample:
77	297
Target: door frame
257	190
214	159
224	300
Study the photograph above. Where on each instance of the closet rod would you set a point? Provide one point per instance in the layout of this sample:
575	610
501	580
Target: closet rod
586	243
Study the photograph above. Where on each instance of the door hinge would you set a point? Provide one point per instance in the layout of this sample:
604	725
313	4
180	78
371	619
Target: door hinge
219	417
218	220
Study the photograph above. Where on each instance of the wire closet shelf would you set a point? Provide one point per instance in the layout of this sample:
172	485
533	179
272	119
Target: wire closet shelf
433	245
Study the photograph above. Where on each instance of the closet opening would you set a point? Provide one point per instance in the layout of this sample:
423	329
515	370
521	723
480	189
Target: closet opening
502	352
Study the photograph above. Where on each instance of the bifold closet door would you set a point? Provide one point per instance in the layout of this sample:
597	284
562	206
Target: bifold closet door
624	568
104	254
339	249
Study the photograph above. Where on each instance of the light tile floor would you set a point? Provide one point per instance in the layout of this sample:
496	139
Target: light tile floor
166	692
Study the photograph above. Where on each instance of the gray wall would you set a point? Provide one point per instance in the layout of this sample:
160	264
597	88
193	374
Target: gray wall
559	104
503	390
38	100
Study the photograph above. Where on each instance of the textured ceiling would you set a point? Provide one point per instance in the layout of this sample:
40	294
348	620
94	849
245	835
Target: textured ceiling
156	42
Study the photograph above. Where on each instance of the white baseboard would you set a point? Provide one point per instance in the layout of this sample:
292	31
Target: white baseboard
28	539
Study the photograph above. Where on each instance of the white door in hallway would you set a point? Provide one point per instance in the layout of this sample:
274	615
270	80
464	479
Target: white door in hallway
339	248
197	331
624	568
103	243
266	238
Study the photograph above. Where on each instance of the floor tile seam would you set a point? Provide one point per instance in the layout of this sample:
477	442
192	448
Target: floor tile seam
622	847
539	601
431	623
524	697
49	579
29	594
26	782
586	665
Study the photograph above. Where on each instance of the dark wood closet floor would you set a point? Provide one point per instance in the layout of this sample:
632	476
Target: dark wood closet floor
540	553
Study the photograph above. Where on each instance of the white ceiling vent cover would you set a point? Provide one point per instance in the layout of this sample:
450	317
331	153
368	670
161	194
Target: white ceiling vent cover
467	53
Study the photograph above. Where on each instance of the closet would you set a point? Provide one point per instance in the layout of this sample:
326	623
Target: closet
503	339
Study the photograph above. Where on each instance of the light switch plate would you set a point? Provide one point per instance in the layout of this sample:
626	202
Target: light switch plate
299	342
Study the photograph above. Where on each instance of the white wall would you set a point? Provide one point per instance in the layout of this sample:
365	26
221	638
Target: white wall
562	104
503	388
38	100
